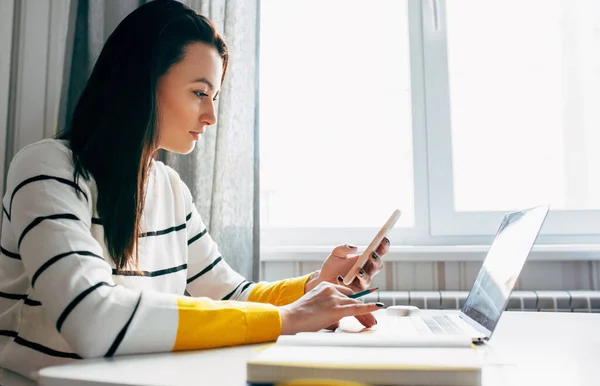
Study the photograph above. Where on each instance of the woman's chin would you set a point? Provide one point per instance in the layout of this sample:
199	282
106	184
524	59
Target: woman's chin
188	149
179	147
184	149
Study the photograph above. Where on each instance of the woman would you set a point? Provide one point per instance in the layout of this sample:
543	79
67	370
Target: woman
103	251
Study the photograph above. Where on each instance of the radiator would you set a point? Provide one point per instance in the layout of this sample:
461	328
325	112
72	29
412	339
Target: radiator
550	301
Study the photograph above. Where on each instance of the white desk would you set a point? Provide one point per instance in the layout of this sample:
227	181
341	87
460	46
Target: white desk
540	348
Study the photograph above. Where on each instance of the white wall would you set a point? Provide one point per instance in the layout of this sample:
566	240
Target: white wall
456	275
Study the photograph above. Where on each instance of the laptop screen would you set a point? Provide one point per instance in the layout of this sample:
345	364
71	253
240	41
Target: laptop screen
502	265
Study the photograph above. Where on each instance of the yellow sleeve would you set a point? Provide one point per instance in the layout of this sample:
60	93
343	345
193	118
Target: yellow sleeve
205	323
279	293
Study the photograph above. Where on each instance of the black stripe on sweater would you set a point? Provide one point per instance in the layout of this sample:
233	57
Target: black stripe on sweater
232	292
248	284
38	220
210	266
24	297
117	342
6	212
38	347
13	296
43	177
11	334
10	254
164	231
71	306
97	221
197	236
55	259
32	303
160	272
188	217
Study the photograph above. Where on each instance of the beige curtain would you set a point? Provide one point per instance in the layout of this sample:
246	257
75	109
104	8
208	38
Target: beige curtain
222	171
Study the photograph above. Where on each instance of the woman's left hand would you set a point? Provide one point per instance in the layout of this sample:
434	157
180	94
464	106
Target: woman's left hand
339	263
342	259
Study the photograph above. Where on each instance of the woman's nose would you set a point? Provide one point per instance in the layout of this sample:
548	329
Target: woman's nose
209	117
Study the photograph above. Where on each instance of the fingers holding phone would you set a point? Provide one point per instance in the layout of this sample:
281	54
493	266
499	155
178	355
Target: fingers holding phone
359	270
373	266
345	260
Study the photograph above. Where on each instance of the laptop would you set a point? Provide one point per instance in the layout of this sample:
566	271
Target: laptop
491	291
478	317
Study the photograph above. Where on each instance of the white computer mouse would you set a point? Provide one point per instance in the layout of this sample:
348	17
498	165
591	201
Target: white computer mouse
402	310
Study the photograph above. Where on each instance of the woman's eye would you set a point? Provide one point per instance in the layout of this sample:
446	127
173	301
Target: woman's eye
200	94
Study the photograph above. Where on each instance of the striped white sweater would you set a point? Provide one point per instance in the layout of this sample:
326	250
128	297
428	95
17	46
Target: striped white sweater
60	296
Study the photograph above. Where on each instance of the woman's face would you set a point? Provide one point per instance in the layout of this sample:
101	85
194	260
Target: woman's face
186	98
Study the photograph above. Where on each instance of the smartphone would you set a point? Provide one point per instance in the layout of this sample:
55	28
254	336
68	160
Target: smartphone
364	257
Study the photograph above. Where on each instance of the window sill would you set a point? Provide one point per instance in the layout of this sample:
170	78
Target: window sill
555	252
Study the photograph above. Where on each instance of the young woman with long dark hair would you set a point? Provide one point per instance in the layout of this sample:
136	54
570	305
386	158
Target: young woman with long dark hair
103	251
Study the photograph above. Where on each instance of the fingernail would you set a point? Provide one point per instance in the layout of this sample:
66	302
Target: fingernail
340	278
387	241
351	246
361	272
374	255
379	304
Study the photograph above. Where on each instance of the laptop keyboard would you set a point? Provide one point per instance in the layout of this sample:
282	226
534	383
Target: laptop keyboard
442	325
430	325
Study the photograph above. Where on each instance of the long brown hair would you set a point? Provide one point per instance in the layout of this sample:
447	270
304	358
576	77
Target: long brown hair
113	133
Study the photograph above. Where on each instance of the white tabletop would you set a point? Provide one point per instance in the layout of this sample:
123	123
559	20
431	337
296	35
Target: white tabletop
528	348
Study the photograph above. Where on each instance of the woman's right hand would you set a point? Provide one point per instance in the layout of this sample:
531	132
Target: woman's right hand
321	307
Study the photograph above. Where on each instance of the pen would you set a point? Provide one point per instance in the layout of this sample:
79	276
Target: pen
362	293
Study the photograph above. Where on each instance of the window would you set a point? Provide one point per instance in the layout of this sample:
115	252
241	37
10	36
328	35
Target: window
335	126
523	118
453	112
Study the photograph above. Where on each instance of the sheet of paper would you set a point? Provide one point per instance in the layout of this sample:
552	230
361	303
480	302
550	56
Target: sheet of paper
371	340
373	357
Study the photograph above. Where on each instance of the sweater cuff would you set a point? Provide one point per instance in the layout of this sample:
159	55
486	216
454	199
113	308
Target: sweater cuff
205	323
262	325
281	292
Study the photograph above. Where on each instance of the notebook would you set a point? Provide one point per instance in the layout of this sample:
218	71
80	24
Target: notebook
369	365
